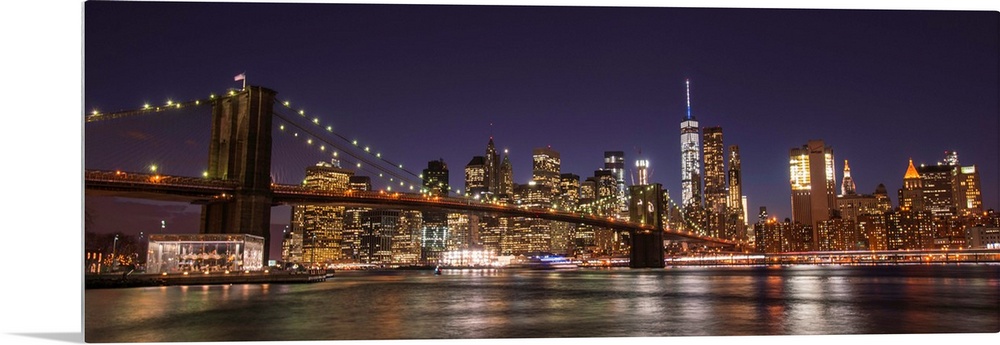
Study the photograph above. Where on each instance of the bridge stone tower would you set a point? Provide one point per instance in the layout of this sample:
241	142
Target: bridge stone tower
646	208
240	150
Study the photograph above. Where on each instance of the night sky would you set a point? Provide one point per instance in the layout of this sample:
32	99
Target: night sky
418	83
853	78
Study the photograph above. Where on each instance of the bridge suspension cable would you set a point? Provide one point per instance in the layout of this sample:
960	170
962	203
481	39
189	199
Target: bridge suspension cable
367	158
364	162
152	109
329	129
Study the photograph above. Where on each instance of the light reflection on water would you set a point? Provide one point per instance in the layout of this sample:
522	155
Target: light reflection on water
576	303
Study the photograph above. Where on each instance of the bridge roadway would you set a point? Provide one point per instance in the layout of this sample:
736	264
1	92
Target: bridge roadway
201	191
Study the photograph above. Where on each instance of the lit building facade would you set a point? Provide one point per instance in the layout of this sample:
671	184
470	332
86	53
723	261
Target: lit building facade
435	178
460	231
614	161
434	235
363	183
491	169
434	224
321	227
291	246
735	180
851	207
813	185
475	177
936	184
838	234
545	169
873	230
690	156
350	244
736	208
882	198
773	236
492	231
506	178
910	230
406	240
979	237
715	170
569	192
588	191
911	196
847	186
378	226
968	197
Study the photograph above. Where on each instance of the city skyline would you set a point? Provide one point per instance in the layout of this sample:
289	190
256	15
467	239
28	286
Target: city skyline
46	45
604	89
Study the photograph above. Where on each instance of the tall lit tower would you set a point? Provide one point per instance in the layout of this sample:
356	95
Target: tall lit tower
715	172
615	162
506	176
911	196
812	180
847	185
690	152
735	177
492	168
545	169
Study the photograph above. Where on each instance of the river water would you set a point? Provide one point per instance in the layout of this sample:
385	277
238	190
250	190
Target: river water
716	301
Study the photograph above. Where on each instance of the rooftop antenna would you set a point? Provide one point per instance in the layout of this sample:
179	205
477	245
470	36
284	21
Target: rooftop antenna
687	83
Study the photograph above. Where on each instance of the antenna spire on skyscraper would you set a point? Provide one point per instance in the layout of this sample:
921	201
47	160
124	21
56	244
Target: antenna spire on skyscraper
687	83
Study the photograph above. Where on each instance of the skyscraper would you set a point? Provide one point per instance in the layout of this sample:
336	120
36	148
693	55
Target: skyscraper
506	180
321	226
690	160
735	201
715	171
350	243
735	176
968	198
475	177
361	183
491	168
545	169
938	194
435	178
911	196
847	185
569	191
883	202
615	162
433	226
813	185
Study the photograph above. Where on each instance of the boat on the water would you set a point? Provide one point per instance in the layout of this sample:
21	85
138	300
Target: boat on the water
544	261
